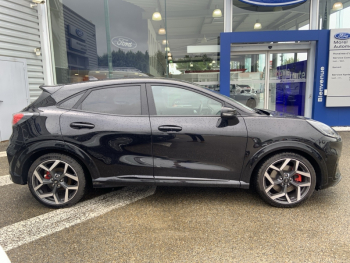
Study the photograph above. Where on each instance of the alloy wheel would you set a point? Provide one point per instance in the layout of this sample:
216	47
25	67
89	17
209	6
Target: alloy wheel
287	181
55	182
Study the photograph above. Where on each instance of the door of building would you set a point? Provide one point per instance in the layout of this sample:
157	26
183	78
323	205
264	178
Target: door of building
273	75
14	92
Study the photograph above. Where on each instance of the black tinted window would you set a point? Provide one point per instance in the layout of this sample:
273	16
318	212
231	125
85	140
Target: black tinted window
68	104
121	101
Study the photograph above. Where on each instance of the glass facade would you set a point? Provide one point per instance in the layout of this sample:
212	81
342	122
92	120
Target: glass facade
105	39
94	40
334	14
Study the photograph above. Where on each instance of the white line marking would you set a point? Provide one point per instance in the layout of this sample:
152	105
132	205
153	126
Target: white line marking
341	128
3	256
3	154
26	231
5	180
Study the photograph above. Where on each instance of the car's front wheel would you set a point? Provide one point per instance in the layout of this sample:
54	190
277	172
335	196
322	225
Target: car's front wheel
56	180
286	180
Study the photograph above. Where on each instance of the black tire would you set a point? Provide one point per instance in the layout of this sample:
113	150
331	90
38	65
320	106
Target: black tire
297	185
67	176
251	103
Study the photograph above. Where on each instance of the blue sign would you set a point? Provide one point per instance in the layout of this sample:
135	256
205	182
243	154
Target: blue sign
124	42
342	36
79	32
290	92
273	2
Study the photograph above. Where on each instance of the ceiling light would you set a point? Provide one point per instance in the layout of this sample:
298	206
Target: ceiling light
161	31
170	58
169	54
277	9
217	12
338	6
210	64
164	42
257	25
213	62
156	16
191	64
167	49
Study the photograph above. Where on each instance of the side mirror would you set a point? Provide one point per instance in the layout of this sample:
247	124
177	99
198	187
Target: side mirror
228	113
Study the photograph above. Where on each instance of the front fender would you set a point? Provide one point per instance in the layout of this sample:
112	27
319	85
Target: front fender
305	149
35	150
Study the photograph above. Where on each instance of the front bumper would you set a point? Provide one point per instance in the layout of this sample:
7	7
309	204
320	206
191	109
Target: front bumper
332	148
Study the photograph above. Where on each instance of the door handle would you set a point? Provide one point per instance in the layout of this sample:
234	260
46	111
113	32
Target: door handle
168	128
82	125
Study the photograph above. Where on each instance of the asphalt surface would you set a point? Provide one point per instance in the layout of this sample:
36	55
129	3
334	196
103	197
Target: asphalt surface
177	224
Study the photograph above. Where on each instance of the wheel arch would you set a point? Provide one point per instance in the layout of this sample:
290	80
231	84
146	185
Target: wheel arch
34	151
250	170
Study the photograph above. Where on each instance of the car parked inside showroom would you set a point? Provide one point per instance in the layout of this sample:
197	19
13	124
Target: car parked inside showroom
243	94
151	131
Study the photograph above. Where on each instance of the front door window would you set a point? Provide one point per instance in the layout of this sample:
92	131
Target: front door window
181	102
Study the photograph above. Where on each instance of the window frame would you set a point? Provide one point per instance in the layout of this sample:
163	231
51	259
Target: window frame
143	97
152	106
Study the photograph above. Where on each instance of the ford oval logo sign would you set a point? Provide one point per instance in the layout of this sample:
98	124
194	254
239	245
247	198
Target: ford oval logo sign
273	2
79	32
124	42
342	36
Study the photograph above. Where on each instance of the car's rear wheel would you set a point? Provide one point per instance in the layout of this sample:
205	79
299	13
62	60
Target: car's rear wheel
286	180
251	103
56	180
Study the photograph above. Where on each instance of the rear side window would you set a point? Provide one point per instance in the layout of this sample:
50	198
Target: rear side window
118	100
68	104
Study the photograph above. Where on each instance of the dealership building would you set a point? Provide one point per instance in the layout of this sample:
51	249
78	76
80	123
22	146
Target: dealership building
286	55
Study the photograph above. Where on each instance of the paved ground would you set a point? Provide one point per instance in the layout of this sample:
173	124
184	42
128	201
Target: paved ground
176	224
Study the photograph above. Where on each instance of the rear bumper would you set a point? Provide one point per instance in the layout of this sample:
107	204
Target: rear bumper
16	179
13	152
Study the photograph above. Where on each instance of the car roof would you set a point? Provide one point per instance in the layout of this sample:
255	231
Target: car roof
63	91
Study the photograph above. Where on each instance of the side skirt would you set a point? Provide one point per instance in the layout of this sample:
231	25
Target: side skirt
165	181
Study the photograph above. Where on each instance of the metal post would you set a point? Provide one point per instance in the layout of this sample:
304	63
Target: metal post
108	38
166	39
228	15
314	11
45	37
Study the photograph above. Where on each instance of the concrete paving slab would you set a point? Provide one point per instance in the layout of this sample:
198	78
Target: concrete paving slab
3	146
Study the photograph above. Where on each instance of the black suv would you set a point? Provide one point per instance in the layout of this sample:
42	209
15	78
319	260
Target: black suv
164	132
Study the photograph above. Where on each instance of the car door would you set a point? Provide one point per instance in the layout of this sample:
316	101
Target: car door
190	140
112	125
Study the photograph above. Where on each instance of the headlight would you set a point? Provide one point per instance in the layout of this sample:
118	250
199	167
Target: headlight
323	128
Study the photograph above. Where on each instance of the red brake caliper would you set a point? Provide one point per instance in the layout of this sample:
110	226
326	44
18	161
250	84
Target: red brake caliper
298	178
47	175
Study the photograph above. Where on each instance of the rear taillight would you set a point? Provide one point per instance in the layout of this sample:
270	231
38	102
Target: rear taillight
17	117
